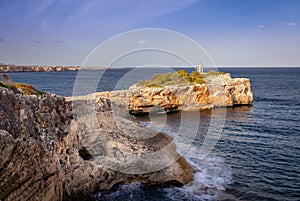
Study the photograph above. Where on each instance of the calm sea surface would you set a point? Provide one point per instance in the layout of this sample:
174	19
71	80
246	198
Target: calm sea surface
257	156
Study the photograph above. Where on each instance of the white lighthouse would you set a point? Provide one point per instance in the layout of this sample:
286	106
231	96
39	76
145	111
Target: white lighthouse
200	68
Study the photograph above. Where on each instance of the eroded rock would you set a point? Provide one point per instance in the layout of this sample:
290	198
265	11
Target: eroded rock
220	91
53	149
43	145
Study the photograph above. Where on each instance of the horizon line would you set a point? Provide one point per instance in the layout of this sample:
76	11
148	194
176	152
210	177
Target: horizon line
174	66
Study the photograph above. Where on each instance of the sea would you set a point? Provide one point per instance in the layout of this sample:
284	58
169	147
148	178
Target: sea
256	156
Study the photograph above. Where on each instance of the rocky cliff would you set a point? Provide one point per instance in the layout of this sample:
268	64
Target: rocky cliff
57	149
46	150
221	90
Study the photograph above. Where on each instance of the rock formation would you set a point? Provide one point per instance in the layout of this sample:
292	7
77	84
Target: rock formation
44	157
221	90
18	88
58	149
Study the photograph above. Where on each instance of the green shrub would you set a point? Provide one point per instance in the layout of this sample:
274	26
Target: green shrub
2	84
212	72
27	89
182	73
180	77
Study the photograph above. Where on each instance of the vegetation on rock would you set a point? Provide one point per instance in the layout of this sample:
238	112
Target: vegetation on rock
25	89
180	77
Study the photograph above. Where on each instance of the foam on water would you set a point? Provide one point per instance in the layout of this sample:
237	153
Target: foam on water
211	177
212	174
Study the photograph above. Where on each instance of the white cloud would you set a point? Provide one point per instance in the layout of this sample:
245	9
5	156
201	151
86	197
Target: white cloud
44	5
141	42
290	24
261	26
130	11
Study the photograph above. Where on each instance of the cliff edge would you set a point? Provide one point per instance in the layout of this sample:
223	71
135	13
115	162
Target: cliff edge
219	91
56	148
44	157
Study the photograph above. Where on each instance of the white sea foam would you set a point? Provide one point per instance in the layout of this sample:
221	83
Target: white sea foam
212	174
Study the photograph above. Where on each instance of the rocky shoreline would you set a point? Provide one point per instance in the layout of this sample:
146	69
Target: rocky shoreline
43	157
50	146
220	91
15	68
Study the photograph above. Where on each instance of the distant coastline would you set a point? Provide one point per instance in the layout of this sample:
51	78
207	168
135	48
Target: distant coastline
29	68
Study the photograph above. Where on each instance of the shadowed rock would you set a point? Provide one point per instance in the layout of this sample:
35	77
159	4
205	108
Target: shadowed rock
53	149
44	157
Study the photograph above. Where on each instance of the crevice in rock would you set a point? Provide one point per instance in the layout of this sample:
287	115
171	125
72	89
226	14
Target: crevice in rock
16	187
9	159
85	155
46	177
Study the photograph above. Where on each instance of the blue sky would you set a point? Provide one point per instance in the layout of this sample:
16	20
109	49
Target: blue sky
234	32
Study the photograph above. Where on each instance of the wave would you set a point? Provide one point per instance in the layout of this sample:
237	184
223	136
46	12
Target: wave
212	174
211	178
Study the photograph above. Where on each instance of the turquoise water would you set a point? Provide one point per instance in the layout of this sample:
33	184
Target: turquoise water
257	157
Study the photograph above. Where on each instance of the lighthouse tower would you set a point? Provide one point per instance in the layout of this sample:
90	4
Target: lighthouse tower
200	68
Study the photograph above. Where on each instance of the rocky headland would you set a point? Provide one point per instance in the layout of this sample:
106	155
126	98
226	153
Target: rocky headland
43	156
50	146
219	91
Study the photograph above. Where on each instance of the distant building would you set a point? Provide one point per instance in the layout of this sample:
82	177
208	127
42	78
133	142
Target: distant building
200	68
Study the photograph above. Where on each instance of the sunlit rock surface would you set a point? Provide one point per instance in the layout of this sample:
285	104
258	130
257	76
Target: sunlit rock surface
221	90
58	149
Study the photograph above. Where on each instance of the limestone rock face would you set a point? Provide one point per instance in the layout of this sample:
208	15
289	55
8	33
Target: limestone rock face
239	90
30	152
49	152
57	149
28	170
220	90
